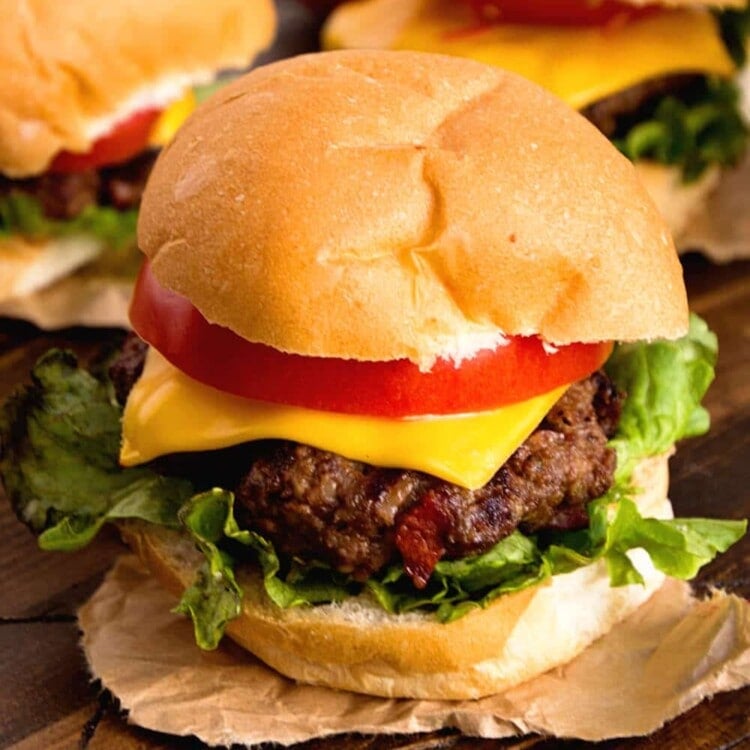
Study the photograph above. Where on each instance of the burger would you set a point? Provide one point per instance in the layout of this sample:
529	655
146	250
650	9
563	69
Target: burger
375	399
90	92
655	76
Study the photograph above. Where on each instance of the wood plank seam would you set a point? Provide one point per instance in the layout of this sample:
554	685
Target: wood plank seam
37	619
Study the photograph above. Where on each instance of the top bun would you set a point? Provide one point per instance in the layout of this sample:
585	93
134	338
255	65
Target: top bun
70	66
380	205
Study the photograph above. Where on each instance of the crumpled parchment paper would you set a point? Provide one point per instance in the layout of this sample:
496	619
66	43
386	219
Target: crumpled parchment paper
721	229
671	654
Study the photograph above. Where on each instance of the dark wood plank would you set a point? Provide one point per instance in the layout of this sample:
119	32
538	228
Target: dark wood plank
43	677
112	733
63	734
708	479
38	584
721	294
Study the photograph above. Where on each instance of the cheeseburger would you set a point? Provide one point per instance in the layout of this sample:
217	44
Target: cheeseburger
655	76
403	377
90	90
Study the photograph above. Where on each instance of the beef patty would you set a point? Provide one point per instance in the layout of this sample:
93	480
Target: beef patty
616	114
65	195
358	518
317	505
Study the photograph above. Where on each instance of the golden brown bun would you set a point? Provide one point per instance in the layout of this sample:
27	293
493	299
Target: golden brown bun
377	205
358	646
66	64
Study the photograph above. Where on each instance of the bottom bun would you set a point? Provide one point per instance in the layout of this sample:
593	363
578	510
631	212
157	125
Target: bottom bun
27	266
358	646
71	281
677	202
82	299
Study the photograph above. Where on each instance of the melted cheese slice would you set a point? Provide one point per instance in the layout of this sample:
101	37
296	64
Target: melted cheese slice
579	64
168	412
171	120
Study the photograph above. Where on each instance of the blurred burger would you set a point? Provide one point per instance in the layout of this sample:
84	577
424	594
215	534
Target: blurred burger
90	92
376	401
656	77
321	7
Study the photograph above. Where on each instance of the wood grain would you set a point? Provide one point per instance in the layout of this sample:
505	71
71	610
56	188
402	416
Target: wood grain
43	676
62	734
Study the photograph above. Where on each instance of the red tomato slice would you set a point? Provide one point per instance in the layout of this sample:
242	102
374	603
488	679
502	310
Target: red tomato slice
558	13
216	356
128	138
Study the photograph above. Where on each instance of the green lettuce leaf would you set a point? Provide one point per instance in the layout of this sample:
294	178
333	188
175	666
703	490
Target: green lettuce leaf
664	382
677	547
205	91
735	31
457	586
59	446
21	213
706	130
59	442
215	597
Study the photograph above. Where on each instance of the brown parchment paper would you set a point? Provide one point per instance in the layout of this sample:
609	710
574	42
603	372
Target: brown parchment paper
721	228
667	657
76	300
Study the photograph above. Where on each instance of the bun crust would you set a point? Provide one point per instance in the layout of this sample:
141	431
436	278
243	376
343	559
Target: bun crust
419	201
359	647
66	64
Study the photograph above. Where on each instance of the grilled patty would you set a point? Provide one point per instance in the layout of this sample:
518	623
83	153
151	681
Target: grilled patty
317	505
358	518
65	195
618	112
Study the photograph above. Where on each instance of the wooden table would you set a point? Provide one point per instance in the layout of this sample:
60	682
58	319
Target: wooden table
46	700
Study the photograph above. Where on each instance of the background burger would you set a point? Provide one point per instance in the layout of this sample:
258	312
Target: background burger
380	403
320	7
655	77
89	91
